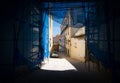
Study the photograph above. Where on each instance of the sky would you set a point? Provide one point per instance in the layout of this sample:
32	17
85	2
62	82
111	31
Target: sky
56	28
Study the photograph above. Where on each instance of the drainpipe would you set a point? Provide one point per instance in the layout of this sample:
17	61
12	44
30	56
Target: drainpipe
69	26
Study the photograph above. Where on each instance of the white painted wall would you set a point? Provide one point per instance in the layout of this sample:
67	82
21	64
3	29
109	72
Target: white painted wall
50	32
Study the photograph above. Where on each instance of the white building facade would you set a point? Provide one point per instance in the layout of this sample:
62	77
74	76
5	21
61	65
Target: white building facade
73	35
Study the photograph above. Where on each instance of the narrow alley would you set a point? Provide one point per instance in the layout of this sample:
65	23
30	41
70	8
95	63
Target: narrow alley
59	41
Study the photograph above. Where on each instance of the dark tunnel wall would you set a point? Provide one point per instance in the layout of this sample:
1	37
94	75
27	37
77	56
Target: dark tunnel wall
15	36
105	42
103	33
7	16
114	38
111	25
112	20
28	34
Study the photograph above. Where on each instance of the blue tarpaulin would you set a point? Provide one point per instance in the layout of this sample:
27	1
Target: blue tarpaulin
45	37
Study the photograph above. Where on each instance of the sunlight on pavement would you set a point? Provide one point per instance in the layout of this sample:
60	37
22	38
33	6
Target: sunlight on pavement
58	64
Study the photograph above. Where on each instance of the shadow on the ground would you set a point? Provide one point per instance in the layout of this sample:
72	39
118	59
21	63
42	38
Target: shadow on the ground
68	76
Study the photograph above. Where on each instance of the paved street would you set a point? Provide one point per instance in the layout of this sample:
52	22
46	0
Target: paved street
64	70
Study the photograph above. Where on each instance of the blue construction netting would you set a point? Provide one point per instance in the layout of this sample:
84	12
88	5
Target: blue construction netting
36	29
87	14
45	37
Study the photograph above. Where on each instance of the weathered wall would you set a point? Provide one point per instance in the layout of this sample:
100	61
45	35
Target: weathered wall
78	49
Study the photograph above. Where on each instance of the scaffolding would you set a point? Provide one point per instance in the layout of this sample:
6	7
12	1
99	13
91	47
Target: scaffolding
90	15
